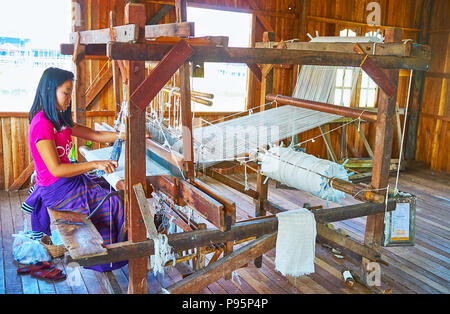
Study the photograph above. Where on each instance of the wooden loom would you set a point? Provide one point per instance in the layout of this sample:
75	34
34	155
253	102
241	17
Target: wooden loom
206	201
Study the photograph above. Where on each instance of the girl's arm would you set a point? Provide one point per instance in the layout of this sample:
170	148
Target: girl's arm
95	136
47	150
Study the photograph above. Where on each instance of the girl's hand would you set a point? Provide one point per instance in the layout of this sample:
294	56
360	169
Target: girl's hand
108	166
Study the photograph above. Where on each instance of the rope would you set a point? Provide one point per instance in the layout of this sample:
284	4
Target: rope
403	133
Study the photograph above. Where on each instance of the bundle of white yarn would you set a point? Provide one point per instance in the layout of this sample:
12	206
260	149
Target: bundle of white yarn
303	172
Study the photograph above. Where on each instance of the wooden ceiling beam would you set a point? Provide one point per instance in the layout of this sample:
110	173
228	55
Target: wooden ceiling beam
155	52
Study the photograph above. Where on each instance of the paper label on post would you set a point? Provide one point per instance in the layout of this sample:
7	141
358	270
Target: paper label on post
400	222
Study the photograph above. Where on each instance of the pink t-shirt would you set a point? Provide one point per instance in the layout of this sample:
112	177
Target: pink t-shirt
42	129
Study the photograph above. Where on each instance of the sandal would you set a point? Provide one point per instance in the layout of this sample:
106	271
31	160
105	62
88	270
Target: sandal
35	267
49	275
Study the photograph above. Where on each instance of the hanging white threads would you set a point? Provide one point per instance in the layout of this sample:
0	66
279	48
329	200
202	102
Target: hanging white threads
118	123
304	172
163	254
403	133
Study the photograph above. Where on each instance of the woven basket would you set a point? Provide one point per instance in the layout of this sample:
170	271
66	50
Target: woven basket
53	250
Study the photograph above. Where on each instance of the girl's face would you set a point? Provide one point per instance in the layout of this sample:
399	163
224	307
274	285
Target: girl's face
64	95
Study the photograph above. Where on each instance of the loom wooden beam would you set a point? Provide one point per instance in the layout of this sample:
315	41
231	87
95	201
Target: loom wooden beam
98	51
239	231
358	191
215	271
339	213
230	212
324	107
381	49
205	205
324	130
152	233
162	73
231	183
376	73
185	193
92	51
256	71
155	52
229	205
182	29
182	241
135	159
122	33
333	236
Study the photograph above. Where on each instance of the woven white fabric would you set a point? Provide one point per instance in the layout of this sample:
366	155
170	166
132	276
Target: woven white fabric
296	242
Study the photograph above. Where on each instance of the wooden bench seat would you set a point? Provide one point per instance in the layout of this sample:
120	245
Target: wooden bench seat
80	240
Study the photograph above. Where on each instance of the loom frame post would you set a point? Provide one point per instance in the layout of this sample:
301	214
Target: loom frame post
79	99
383	149
135	146
262	185
185	100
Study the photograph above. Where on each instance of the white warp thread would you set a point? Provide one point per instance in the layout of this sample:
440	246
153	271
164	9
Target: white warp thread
296	243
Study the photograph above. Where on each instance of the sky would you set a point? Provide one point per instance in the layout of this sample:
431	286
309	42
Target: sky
218	24
229	90
46	22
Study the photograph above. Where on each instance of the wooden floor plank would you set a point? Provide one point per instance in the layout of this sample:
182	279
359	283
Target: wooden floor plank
422	268
4	202
13	282
30	285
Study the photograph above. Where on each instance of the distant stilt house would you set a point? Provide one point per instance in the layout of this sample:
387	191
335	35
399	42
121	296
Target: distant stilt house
21	65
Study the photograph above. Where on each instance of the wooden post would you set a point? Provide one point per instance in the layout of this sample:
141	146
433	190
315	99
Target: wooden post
135	158
383	150
262	186
79	98
185	101
115	69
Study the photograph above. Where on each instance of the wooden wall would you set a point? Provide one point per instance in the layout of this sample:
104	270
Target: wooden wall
14	150
433	138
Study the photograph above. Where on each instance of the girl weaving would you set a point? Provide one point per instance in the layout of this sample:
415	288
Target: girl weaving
61	185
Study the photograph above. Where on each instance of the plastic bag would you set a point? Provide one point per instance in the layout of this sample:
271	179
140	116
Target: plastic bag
56	238
26	250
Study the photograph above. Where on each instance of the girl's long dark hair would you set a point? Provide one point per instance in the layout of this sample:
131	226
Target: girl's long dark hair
45	99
